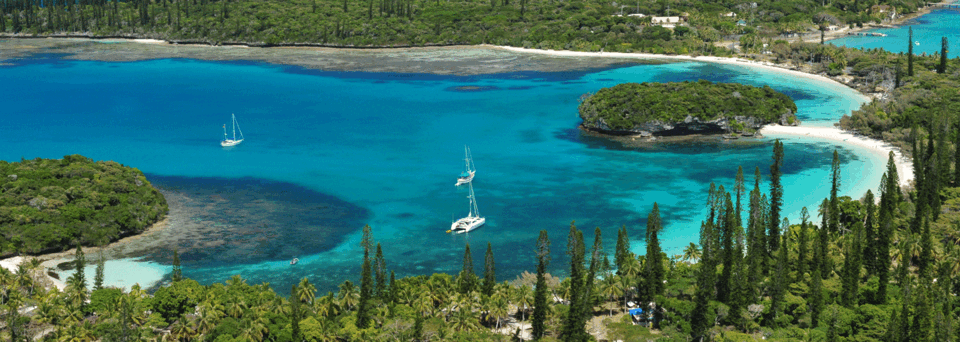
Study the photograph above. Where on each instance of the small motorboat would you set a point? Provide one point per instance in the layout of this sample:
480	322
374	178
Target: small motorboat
294	261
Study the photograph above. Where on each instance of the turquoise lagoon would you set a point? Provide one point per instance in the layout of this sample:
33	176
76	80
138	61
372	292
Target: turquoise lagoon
927	33
385	149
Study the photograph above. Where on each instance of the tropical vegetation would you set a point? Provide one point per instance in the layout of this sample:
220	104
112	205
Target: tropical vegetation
585	25
52	204
878	268
628	105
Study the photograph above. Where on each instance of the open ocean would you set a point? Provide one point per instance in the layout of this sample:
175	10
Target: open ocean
327	152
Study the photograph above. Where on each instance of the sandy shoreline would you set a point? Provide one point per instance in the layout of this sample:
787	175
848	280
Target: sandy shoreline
881	148
709	59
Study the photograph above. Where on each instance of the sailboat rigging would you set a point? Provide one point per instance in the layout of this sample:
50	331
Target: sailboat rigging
236	127
467	175
473	219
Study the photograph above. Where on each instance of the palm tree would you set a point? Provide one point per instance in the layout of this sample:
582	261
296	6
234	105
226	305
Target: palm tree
181	330
691	253
306	291
236	308
423	305
348	295
523	297
612	288
464	320
499	308
235	280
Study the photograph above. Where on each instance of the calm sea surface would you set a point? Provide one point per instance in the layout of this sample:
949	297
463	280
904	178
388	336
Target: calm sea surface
927	33
332	151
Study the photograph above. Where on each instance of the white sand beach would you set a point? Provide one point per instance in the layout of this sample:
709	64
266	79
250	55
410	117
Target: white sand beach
710	59
882	149
12	263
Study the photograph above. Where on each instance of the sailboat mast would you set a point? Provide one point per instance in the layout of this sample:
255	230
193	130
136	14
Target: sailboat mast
234	117
474	211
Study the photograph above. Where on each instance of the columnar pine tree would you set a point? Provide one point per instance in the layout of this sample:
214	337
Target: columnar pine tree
889	202
366	281
942	68
380	273
597	258
870	235
780	279
78	281
776	196
295	315
816	289
910	52
757	240
850	281
834	211
177	272
740	191
706	271
489	271
622	254
932	178
574	329
725	285
822	255
466	272
802	244
956	153
394	289
655	272
98	277
540	305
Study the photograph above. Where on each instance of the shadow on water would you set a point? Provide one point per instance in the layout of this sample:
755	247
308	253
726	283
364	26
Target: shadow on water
249	220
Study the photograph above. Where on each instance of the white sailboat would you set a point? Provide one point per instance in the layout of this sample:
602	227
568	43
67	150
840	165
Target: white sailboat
473	219
232	142
467	175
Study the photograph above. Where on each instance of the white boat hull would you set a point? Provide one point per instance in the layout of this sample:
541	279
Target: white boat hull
465	180
467	224
228	142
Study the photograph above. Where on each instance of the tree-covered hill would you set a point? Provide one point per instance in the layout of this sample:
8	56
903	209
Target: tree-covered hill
666	107
586	25
48	204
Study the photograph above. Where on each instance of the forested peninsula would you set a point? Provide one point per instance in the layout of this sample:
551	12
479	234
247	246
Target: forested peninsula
679	108
51	205
584	25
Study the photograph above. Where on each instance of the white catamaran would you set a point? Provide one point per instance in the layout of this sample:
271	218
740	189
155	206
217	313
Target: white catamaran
473	219
467	176
232	142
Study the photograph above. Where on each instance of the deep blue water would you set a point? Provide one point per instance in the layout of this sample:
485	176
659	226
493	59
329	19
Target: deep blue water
927	33
385	149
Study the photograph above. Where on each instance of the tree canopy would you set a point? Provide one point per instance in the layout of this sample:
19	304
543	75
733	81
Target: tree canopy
50	204
628	105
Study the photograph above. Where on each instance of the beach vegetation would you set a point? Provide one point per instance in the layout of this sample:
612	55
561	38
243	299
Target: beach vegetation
52	204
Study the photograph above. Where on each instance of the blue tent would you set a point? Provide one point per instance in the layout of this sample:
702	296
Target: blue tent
636	311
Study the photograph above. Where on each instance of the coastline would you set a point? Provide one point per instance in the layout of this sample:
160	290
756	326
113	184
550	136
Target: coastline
780	68
49	261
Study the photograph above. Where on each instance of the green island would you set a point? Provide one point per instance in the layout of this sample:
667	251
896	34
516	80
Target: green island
50	205
679	108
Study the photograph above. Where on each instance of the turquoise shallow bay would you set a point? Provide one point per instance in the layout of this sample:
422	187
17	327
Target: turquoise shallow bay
390	146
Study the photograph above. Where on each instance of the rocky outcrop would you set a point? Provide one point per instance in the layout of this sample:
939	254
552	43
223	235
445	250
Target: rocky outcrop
690	126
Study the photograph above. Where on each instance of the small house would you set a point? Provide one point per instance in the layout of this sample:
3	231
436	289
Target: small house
664	20
729	15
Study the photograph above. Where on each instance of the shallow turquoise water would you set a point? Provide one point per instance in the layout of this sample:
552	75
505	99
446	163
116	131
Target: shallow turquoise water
391	145
927	33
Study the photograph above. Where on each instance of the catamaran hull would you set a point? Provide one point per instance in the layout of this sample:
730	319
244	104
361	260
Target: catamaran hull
228	143
467	224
